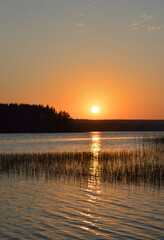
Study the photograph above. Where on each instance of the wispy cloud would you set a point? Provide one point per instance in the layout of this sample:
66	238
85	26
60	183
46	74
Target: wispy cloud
145	22
82	21
80	24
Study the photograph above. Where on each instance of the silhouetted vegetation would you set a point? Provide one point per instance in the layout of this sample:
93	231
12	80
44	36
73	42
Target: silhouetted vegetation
117	125
31	118
153	141
144	166
24	118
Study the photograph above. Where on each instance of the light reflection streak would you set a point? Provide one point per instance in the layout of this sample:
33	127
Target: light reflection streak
93	189
95	149
90	223
75	139
85	228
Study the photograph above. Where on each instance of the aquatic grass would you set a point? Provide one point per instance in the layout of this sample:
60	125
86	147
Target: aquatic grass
46	164
135	166
144	166
151	142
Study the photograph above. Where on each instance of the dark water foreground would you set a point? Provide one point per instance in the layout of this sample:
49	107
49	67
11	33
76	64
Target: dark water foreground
83	195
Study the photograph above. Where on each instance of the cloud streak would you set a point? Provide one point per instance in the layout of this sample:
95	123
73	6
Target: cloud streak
79	24
145	22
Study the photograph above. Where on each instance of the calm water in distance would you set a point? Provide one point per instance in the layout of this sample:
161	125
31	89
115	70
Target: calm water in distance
39	208
59	142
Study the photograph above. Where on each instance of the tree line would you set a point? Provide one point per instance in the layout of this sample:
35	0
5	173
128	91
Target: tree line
26	118
32	118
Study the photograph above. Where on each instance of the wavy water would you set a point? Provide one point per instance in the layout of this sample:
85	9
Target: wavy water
42	199
38	209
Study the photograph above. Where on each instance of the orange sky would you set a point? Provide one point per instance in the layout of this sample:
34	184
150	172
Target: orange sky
73	55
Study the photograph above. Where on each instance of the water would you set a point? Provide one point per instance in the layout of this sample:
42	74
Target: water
52	207
47	142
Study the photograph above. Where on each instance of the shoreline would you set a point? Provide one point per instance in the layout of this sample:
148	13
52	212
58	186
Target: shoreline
82	125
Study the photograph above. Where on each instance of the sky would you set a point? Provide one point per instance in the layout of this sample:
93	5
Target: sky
76	54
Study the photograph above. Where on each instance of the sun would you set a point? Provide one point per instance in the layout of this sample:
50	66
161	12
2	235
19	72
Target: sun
95	109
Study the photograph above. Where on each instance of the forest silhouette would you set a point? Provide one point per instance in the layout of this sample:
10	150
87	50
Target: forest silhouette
26	118
31	118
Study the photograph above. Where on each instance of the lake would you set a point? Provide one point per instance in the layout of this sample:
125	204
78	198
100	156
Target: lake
70	197
59	142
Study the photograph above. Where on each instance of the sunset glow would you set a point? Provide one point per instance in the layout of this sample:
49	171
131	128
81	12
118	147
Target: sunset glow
92	52
95	109
81	119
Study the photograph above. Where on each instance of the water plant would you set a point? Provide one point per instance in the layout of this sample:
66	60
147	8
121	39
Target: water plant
142	166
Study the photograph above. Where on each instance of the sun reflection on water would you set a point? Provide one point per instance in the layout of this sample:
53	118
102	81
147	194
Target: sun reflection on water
93	189
95	149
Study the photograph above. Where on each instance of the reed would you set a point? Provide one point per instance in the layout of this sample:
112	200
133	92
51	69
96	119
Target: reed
145	166
153	142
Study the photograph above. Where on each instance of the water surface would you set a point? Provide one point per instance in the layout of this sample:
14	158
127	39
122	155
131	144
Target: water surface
60	207
46	142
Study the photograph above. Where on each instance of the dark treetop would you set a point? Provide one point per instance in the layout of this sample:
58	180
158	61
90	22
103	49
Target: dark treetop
31	118
25	118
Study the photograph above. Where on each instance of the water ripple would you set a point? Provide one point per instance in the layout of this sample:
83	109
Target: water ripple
47	210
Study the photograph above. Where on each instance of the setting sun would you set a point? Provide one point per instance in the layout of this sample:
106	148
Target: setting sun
95	109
